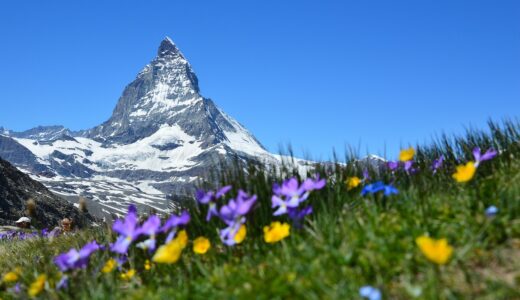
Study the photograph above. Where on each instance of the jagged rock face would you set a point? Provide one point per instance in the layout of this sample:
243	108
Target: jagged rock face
19	155
166	91
162	136
16	188
43	133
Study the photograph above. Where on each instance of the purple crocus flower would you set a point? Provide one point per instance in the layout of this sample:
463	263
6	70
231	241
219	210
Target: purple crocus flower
233	214
16	289
290	194
63	283
227	235
211	198
392	165
479	157
237	208
408	167
377	187
437	164
315	183
370	293
297	216
284	205
128	231
173	223
150	228
366	176
74	259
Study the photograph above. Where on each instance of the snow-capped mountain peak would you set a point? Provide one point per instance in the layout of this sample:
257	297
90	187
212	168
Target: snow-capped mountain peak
162	136
168	47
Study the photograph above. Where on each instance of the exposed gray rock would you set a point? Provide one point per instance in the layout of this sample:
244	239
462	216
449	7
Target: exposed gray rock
16	188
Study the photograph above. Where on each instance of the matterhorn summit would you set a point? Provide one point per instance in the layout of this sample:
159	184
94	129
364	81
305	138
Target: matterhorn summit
162	136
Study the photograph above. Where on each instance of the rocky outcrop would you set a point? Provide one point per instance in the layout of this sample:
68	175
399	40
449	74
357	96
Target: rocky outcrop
16	188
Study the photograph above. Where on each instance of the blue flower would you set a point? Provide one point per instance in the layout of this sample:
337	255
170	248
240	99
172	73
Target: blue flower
370	293
377	187
491	211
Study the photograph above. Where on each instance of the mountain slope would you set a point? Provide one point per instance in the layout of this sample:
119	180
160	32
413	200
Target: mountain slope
162	136
16	188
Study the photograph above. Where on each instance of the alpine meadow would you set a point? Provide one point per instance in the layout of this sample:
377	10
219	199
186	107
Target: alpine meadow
331	149
439	222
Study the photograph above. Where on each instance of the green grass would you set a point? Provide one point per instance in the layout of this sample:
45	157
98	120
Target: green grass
348	242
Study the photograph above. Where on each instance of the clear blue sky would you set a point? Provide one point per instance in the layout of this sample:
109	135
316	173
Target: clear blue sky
317	74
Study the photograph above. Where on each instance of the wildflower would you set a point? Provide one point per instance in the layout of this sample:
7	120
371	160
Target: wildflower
237	208
314	183
201	245
437	164
109	266
392	165
366	175
128	231
241	234
149	228
233	214
228	234
290	194
371	293
63	283
169	253
465	173
377	187
182	238
211	198
128	274
16	289
491	211
352	182
437	251
10	277
37	286
297	215
75	259
147	265
479	157
408	167
276	232
406	154
173	223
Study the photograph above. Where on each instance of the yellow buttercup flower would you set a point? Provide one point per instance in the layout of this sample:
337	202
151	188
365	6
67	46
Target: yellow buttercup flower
182	238
437	251
352	182
276	232
171	252
407	154
201	245
128	274
10	277
109	266
37	286
241	234
465	173
147	265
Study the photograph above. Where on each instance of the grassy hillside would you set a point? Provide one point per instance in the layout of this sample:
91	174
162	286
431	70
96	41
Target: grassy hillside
349	241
